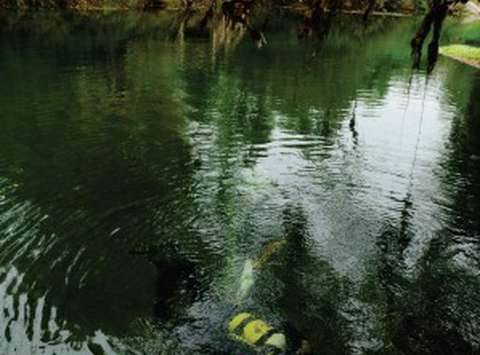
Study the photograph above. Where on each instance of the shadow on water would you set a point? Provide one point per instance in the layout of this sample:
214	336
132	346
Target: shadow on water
313	295
433	309
92	176
149	157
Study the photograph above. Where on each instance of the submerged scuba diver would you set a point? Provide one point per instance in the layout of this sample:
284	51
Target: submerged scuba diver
301	303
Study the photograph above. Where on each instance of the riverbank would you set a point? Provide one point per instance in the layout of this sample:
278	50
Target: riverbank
466	54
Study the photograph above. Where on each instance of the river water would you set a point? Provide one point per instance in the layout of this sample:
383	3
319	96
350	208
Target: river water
143	166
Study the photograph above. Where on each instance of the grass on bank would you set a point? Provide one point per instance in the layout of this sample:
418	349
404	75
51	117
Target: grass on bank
463	53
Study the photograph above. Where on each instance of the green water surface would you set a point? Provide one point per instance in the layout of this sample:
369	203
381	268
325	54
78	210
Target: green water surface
142	165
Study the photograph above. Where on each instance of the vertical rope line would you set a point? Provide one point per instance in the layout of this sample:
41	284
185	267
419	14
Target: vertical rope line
419	135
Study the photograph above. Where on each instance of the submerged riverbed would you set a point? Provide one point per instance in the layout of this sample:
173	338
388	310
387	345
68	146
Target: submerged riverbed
142	167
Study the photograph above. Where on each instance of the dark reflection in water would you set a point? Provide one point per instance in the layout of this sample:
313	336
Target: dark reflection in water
147	164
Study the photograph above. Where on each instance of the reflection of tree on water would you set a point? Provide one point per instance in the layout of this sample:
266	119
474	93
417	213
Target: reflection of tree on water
104	233
85	238
227	22
96	257
312	295
434	308
428	315
352	125
318	19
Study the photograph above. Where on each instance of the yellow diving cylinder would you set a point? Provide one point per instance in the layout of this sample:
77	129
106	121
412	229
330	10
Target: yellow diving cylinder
255	332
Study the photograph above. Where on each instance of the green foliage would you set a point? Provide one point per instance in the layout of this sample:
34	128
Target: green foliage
381	5
462	33
420	6
470	33
84	4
